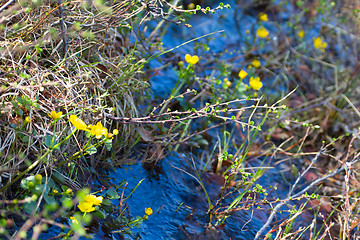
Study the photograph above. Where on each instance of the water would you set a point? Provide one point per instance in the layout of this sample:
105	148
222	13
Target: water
172	188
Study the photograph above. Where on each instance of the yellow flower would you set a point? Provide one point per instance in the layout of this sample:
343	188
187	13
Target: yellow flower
74	220
115	132
319	44
255	83
148	211
55	115
256	63
28	120
78	123
86	206
262	32
191	59
98	130
247	31
263	17
301	34
90	198
242	74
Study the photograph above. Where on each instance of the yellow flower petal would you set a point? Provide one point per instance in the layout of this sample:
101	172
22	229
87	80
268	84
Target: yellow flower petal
90	198
78	123
86	206
191	59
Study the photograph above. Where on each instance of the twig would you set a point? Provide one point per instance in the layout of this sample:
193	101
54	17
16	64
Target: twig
6	5
176	116
63	31
278	206
201	132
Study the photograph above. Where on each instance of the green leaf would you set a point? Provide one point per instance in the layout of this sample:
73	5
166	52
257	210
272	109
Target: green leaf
108	144
48	198
92	150
38	189
50	142
99	214
30	206
106	202
25	139
112	194
58	178
139	221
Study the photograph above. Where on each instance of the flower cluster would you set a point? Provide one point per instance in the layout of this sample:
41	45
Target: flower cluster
97	130
89	202
320	44
255	83
227	82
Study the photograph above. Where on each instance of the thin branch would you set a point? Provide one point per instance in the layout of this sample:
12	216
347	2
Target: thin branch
278	206
6	5
63	31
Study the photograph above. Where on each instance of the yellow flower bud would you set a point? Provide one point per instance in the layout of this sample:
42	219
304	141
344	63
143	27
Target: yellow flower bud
262	32
301	34
263	17
256	63
148	211
38	178
242	74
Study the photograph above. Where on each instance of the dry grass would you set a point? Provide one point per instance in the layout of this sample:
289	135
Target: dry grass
72	58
